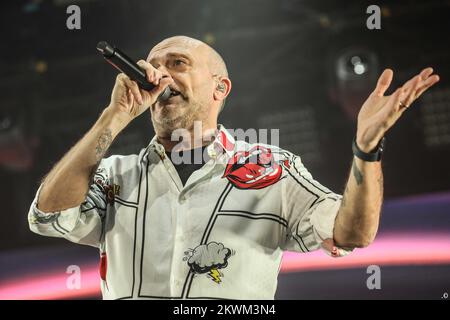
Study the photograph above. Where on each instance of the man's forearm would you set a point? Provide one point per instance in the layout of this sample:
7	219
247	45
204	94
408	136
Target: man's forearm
359	215
67	183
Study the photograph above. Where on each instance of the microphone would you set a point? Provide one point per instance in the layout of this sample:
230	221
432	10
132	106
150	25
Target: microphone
123	63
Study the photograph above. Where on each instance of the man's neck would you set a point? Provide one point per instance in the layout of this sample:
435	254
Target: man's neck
193	139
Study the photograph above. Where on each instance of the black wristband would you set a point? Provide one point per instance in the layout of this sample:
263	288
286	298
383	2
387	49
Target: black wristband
372	156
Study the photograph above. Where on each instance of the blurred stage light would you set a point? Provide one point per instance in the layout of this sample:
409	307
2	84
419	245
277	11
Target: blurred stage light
394	249
353	64
32	6
436	117
209	38
16	149
40	66
358	66
324	21
386	12
356	71
6	122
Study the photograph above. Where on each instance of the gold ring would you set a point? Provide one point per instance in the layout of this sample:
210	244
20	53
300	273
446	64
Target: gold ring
403	105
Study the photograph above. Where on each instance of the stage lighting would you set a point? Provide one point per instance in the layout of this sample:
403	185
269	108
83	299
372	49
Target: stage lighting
16	149
355	73
355	64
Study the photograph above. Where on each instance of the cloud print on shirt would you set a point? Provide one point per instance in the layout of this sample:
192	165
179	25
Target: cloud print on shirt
209	258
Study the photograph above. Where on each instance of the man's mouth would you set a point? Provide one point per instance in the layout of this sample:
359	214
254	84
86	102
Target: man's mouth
174	98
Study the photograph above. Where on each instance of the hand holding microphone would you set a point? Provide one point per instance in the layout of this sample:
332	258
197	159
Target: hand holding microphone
138	86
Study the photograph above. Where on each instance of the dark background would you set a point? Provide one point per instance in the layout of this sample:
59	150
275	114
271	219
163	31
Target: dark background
290	62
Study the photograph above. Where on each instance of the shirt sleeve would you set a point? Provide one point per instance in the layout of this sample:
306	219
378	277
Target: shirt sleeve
81	224
310	210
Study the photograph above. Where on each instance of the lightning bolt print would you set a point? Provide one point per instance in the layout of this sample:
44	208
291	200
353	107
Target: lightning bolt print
215	275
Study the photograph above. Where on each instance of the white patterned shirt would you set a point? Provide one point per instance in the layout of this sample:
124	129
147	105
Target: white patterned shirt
220	236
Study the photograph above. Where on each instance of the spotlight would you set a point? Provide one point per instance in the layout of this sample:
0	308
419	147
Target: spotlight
355	65
355	72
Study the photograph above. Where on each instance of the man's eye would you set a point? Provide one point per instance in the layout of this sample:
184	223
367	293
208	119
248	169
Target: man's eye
179	62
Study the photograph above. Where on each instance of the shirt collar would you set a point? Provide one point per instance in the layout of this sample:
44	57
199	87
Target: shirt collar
223	145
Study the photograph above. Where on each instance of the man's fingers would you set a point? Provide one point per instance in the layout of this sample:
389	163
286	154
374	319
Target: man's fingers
425	73
392	109
397	98
153	75
384	81
411	82
410	92
407	96
428	83
163	84
154	93
418	84
134	88
399	104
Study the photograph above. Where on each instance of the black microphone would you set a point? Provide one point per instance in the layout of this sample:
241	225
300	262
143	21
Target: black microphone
126	65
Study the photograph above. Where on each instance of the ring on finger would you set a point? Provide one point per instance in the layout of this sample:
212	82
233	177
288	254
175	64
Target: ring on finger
403	105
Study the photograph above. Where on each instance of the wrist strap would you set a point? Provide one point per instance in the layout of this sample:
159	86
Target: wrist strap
372	156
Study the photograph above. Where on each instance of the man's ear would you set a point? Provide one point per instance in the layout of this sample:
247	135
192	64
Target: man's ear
223	88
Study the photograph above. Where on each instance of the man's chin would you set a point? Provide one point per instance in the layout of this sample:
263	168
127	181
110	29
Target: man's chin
168	122
167	105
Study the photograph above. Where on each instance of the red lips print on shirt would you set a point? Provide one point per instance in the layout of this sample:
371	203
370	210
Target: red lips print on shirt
253	169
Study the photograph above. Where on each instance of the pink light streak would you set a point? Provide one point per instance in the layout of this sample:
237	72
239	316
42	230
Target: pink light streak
387	250
52	286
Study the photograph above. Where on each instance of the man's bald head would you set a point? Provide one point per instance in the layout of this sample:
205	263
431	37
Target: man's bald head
215	61
200	77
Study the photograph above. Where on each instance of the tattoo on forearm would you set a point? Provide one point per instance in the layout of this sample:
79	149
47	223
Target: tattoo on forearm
104	141
357	174
344	197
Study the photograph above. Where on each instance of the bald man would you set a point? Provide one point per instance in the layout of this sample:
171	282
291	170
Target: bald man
214	228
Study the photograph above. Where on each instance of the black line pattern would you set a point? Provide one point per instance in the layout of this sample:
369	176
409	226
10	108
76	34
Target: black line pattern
217	211
59	225
135	224
220	212
125	202
143	240
54	227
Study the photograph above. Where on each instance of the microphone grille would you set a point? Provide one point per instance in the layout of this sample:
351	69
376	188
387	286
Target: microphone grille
105	48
